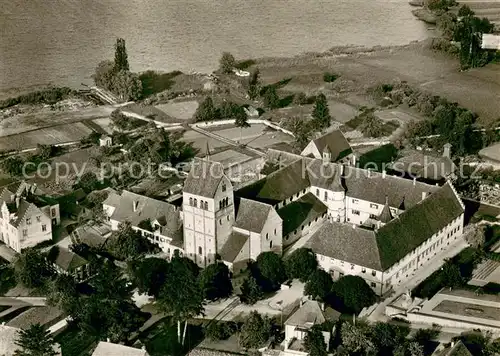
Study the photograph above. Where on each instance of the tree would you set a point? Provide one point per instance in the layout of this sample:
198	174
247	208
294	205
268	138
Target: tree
387	337
228	110
255	331
63	293
444	119
127	85
206	111
254	84
227	63
251	292
271	98
215	281
88	181
32	269
126	243
301	264
300	98
220	330
302	130
149	274
465	11
409	349
121	58
104	74
371	126
46	151
355	339
321	113
314	342
182	303
271	271
35	341
353	293
451	275
319	285
241	121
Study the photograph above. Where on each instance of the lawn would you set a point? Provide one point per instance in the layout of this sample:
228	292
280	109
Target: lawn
378	157
149	112
182	110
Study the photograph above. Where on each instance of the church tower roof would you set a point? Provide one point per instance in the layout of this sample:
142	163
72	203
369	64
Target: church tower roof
385	216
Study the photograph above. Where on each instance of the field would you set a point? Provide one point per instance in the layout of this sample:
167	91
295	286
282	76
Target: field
437	73
257	135
104	124
48	136
182	110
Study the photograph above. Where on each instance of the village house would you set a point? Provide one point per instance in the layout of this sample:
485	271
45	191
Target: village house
67	262
26	216
309	314
156	220
332	144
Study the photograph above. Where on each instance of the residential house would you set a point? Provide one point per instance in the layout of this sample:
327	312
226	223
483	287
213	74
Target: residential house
156	220
26	216
105	141
67	262
333	145
309	314
454	349
111	349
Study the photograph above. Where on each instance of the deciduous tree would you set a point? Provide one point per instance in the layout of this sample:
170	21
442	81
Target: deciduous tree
104	74
127	85
149	274
227	62
353	293
301	264
215	281
206	111
255	331
251	292
319	285
126	243
356	340
270	270
32	269
314	342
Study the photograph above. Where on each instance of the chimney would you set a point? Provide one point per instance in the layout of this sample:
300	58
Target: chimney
322	306
383	173
354	160
33	188
136	205
17	202
341	169
414	181
424	195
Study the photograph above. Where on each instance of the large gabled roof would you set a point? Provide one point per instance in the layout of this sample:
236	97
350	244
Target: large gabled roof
311	313
334	142
252	215
382	248
204	178
233	246
301	211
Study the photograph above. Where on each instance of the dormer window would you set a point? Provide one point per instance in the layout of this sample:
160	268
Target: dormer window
38	218
28	221
223	187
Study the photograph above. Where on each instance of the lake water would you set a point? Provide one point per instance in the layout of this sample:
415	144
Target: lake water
61	41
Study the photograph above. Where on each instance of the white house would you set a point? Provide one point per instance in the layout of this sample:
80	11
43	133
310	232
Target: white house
309	314
156	220
26	218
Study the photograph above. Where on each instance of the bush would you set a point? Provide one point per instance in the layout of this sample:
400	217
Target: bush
330	77
47	96
220	330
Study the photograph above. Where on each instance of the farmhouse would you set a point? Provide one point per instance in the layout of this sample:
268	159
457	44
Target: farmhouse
26	217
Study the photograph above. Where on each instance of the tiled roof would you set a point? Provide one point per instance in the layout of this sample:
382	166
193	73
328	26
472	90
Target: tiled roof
346	243
382	248
301	211
67	259
110	349
309	314
199	351
386	215
147	208
204	178
252	215
233	246
417	224
336	143
459	349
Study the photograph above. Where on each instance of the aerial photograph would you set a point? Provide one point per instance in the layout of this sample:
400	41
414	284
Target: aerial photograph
250	177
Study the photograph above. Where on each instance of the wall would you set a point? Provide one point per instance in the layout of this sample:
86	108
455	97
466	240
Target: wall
201	125
365	209
421	318
335	202
303	230
35	233
271	237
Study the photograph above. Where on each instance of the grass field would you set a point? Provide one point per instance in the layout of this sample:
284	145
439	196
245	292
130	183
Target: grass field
48	136
182	110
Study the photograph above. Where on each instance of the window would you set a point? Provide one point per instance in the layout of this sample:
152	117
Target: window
191	201
228	218
267	236
206	205
355	201
53	212
374	206
275	231
373	284
38	218
271	244
223	187
317	192
195	203
326	196
220	221
374	273
25	232
355	212
28	221
373	216
363	270
352	266
200	251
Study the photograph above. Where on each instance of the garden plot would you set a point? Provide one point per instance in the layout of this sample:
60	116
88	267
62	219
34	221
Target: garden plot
257	135
105	124
48	136
183	110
